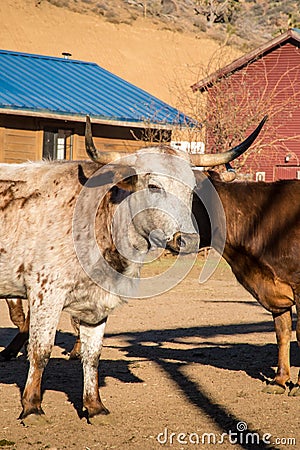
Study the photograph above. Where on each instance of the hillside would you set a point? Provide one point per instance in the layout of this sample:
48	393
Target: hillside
162	46
243	23
157	60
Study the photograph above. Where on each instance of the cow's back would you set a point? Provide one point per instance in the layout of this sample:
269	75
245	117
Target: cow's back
36	208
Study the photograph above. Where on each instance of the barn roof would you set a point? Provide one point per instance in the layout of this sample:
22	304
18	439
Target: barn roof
291	36
47	86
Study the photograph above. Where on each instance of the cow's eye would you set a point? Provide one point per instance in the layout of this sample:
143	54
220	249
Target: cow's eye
154	187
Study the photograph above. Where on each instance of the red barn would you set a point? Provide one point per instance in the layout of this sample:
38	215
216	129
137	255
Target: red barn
266	80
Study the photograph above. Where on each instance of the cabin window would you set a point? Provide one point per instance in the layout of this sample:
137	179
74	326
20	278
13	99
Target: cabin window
57	144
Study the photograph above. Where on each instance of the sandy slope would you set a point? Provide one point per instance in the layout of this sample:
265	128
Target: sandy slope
154	60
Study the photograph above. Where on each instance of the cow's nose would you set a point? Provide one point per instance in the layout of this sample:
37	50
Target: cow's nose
184	243
179	240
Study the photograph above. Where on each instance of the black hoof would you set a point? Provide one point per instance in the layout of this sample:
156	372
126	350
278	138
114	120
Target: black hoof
274	388
33	416
101	418
34	411
295	391
92	414
37	420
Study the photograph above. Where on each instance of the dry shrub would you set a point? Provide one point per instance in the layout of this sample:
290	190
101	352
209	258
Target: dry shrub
252	21
60	3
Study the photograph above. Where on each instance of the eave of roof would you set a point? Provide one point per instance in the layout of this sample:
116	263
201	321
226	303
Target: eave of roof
68	89
82	118
292	34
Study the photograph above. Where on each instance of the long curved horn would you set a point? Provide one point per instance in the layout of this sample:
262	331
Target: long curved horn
216	159
93	153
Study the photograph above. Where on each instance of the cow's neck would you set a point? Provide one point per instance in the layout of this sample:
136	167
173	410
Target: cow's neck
116	236
242	210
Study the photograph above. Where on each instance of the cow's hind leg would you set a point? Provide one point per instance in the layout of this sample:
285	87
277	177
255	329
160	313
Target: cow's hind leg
17	316
16	312
283	329
43	323
295	391
75	352
91	345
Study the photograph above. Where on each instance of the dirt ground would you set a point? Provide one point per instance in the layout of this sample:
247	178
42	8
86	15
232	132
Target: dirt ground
182	370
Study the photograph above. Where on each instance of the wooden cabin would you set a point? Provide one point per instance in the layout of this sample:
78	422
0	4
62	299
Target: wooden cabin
44	101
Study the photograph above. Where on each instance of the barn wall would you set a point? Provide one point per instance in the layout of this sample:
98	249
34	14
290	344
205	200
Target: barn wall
278	74
287	171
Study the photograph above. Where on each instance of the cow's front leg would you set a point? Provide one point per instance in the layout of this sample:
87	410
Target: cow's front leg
31	398
43	323
91	345
283	329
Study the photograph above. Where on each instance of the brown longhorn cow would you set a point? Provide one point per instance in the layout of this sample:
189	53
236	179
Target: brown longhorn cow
260	239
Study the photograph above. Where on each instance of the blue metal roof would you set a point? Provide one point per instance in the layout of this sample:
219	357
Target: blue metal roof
44	84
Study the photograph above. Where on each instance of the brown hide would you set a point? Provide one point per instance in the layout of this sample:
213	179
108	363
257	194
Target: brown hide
262	246
263	238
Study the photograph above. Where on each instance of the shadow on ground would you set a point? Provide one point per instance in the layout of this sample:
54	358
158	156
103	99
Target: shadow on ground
155	345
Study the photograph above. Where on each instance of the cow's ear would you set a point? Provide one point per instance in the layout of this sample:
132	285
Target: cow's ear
126	178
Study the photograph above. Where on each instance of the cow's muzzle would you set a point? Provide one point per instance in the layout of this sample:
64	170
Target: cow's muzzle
184	243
